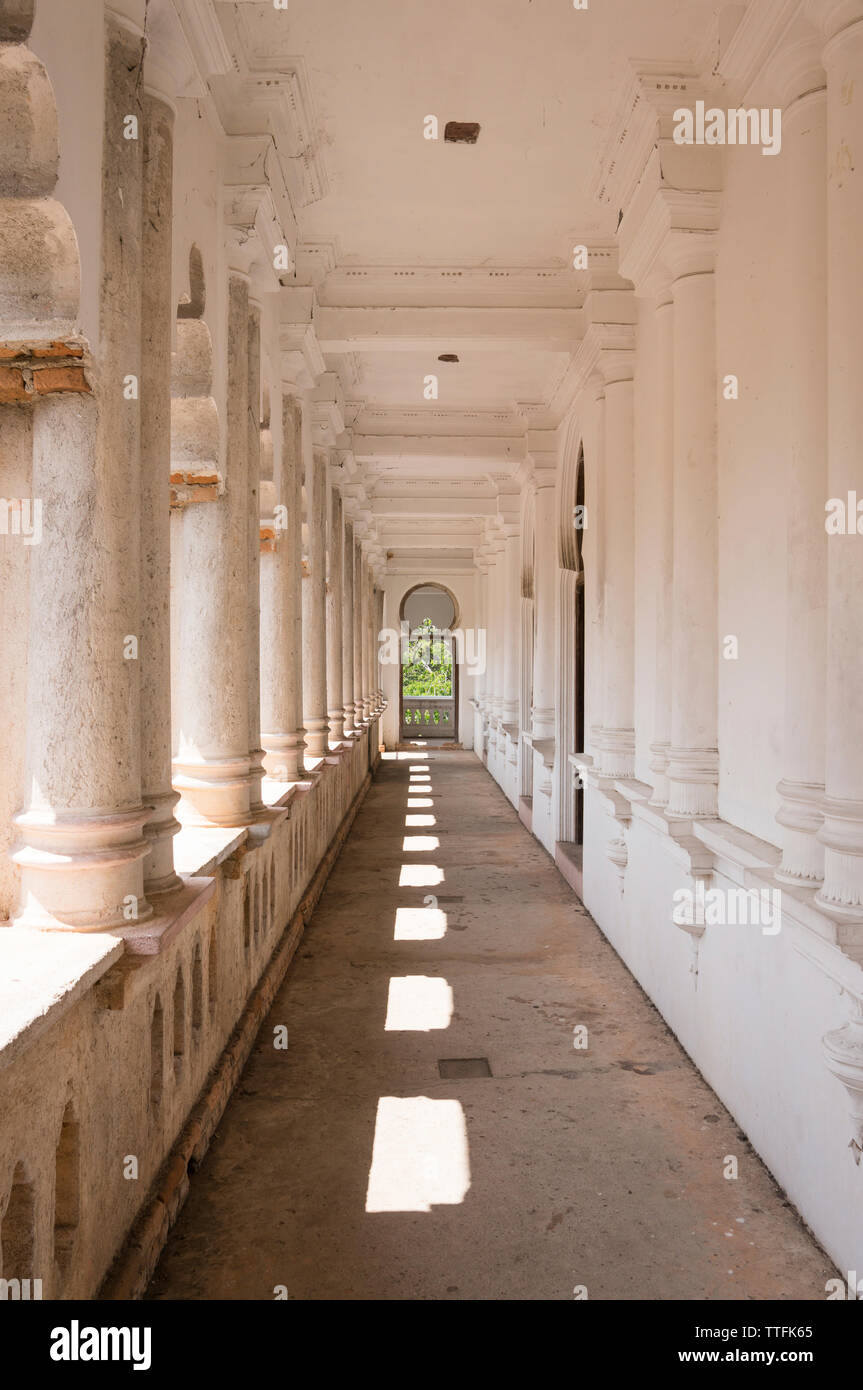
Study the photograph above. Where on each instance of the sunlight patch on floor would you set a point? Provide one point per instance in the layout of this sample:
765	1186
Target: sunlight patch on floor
418	1004
420	924
420	1155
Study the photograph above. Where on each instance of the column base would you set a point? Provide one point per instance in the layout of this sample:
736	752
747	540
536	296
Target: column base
801	817
693	777
215	791
317	736
617	752
842	838
160	875
80	871
283	755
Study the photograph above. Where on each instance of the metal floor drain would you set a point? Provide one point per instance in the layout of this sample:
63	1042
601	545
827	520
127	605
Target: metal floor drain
456	1068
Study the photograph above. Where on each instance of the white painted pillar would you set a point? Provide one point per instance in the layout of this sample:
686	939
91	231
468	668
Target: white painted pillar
211	765
315	609
283	735
157	317
617	757
842	831
335	602
693	765
348	626
662	482
379	627
253	523
804	148
543	720
511	630
496	632
368	642
83	846
361	717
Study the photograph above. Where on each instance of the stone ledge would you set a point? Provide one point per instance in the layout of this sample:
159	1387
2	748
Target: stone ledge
42	974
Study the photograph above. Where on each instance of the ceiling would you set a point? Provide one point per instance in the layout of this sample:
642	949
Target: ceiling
434	247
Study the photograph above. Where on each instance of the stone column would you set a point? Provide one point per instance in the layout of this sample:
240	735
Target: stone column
360	635
662	457
496	634
617	758
315	608
379	625
511	613
282	612
83	847
693	763
253	522
804	136
368	653
157	316
335	600
545	588
348	628
211	765
842	831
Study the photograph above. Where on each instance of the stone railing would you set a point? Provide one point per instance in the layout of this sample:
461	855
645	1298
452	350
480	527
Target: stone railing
428	716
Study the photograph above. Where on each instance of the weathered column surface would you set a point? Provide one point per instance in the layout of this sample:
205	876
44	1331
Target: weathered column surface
211	764
314	609
335	599
83	847
348	629
282	733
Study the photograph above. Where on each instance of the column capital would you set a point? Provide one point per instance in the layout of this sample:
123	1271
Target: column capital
836	18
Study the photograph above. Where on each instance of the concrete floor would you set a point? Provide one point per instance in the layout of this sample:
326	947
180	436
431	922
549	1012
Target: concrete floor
600	1168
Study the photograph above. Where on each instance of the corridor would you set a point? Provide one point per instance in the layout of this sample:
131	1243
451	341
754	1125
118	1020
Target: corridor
347	1167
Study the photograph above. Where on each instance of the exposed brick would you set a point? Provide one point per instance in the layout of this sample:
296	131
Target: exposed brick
13	386
50	379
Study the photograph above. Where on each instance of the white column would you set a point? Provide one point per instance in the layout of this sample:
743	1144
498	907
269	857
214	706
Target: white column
511	630
545	590
157	316
211	765
282	612
348	625
662	474
83	847
315	608
253	523
842	832
379	627
804	146
693	765
617	756
359	633
335	602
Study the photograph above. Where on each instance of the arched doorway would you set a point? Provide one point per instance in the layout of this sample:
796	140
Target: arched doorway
428	688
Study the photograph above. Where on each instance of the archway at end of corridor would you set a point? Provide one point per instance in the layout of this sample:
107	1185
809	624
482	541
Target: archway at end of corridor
428	690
